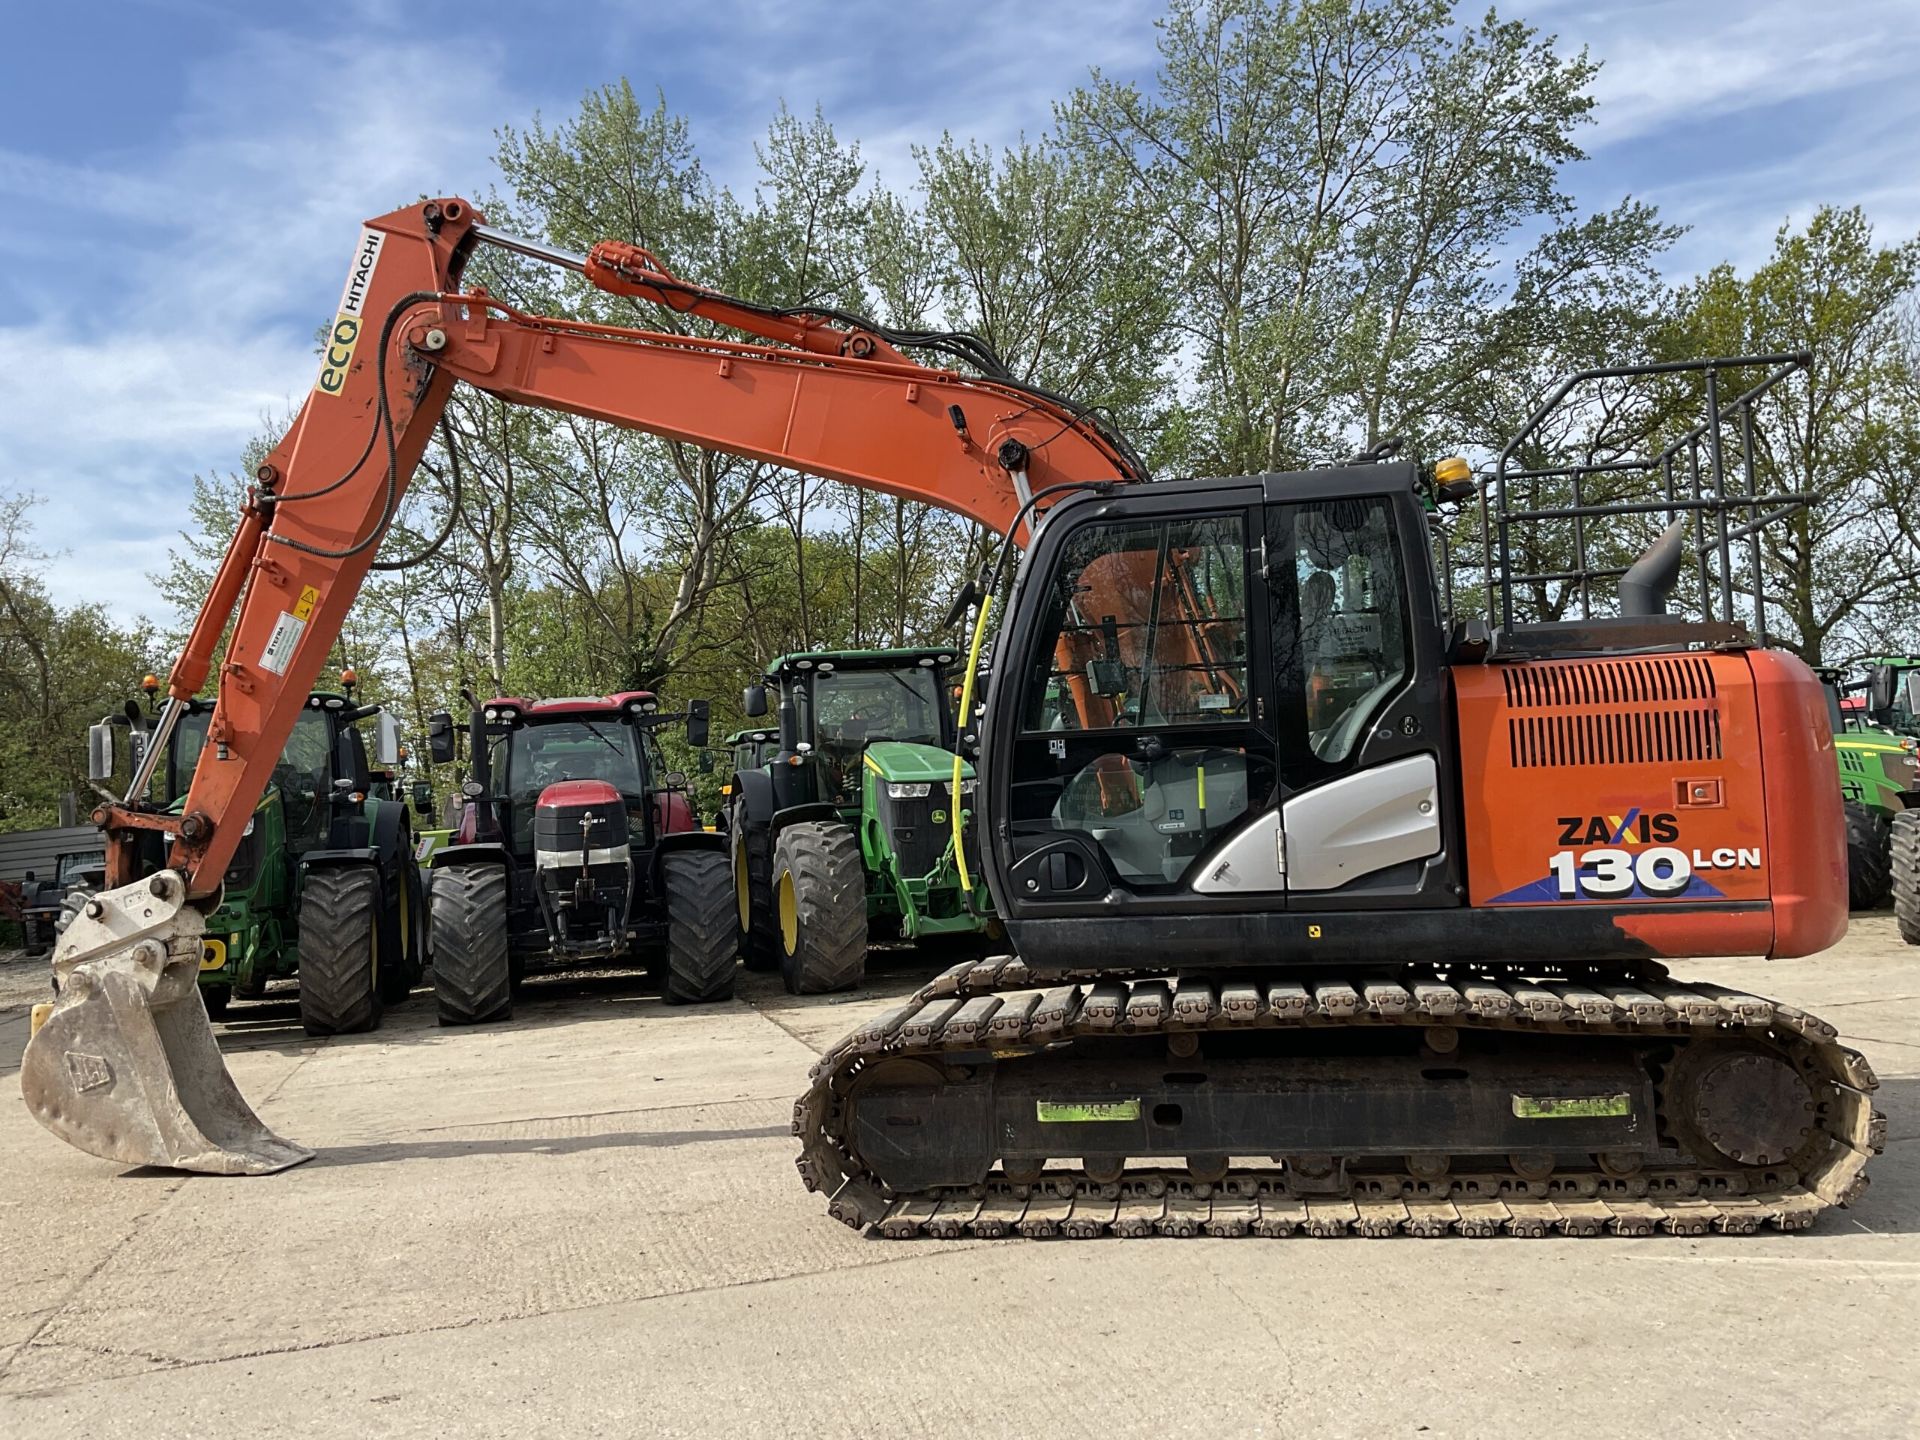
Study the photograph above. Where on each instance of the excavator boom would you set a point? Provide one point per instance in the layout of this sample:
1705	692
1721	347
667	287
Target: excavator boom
824	394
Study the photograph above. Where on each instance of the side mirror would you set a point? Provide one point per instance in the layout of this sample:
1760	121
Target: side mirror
705	763
753	701
440	737
100	753
1880	689
386	741
422	797
698	712
1911	693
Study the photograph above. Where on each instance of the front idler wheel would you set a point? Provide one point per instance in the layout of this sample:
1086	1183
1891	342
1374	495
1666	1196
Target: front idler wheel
1740	1102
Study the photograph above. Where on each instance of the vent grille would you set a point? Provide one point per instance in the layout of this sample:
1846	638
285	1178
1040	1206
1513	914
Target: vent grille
1660	709
1556	684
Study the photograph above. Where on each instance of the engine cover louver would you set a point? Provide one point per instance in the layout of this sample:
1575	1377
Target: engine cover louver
1613	712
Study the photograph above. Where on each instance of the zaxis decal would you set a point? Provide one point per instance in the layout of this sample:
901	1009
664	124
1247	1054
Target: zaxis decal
1611	871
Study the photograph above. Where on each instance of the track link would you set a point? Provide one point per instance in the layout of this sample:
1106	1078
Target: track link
998	1005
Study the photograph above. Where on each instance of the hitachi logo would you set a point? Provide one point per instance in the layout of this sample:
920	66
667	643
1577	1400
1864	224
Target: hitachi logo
360	277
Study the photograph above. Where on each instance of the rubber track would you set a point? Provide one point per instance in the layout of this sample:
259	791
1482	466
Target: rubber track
339	910
1904	847
1868	876
830	892
471	974
991	1005
703	931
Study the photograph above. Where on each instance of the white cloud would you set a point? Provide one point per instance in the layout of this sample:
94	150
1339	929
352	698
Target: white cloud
192	279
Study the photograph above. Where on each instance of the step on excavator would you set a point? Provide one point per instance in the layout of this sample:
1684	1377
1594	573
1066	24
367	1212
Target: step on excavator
1328	910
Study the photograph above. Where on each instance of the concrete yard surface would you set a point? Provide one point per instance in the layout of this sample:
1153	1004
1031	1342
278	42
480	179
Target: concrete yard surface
587	1222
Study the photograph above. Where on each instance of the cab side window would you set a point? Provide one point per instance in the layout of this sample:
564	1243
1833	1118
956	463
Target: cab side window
1341	640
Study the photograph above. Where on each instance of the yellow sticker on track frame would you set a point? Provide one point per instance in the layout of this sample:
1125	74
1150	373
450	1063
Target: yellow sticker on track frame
1572	1107
1083	1112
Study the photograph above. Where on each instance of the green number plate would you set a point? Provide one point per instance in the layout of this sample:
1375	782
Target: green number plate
1570	1107
1063	1112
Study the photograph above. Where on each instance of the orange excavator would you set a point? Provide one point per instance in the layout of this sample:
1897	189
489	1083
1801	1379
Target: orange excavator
1328	911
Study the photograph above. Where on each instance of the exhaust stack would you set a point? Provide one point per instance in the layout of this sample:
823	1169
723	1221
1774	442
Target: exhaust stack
1649	580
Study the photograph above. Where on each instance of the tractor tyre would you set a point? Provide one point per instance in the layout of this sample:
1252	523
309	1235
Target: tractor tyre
340	950
820	901
35	936
1904	846
1868	879
703	939
758	926
401	966
472	972
217	998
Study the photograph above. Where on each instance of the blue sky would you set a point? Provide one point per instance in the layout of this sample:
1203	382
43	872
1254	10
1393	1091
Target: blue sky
181	180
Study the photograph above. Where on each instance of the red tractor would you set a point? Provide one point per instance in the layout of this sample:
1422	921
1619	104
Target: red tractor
575	844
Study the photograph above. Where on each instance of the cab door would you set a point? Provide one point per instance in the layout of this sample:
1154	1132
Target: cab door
1135	706
1362	720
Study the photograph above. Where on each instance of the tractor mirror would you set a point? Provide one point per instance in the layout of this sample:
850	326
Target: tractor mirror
1910	693
386	741
705	763
99	753
753	701
1880	689
698	723
440	737
422	798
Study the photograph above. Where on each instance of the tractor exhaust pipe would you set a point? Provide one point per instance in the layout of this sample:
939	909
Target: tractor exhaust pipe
125	1065
1650	579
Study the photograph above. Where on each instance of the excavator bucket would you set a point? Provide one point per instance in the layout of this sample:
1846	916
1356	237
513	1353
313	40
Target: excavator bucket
126	1066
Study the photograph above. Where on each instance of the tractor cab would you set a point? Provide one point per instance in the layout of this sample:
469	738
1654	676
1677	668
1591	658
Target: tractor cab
1893	693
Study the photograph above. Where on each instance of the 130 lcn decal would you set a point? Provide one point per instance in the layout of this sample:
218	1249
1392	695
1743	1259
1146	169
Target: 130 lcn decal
1628	857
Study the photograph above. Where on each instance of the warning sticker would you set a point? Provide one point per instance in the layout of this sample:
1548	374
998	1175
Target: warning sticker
309	597
1068	1112
1570	1107
287	631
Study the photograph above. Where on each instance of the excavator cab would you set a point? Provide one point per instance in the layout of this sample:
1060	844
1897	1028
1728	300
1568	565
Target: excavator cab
1227	696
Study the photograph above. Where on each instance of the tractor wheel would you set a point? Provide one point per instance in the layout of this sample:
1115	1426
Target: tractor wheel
1905	848
217	998
759	928
472	976
1868	880
703	942
340	950
400	933
34	936
820	900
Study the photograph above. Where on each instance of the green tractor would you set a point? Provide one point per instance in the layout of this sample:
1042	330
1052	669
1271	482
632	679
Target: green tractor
324	883
1879	780
841	816
1880	771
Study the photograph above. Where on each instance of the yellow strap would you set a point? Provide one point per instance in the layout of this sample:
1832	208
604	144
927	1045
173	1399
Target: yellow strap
966	712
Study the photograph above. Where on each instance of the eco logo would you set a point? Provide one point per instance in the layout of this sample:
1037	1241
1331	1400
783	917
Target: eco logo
347	323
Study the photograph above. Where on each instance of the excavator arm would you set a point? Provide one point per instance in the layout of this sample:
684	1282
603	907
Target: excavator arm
126	1066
